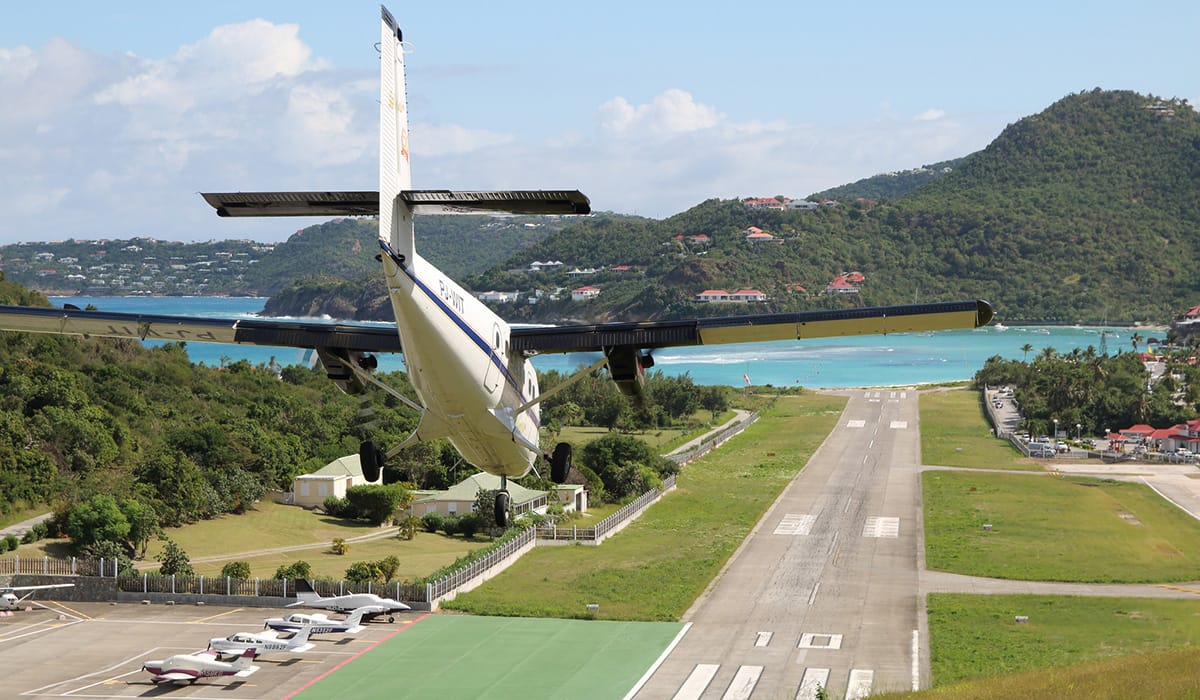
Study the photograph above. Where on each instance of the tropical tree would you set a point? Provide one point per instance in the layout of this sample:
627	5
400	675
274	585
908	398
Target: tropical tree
175	561
236	569
1026	348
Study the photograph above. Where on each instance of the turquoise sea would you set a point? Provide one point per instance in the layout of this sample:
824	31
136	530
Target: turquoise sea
889	360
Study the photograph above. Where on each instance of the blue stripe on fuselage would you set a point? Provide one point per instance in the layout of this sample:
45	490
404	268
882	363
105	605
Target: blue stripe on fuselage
464	327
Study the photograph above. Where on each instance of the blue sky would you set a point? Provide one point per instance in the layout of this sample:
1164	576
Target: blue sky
112	120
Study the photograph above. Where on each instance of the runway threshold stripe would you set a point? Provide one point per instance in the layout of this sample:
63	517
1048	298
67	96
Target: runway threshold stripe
311	683
657	662
743	683
814	680
696	682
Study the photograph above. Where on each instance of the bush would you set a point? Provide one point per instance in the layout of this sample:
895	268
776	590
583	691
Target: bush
450	525
3	545
432	522
337	507
12	541
299	569
469	524
236	569
339	546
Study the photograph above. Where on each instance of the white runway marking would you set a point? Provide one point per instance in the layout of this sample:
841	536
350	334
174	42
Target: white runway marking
812	640
881	527
856	424
696	682
814	679
658	662
916	660
762	639
795	524
743	683
812	597
899	425
860	684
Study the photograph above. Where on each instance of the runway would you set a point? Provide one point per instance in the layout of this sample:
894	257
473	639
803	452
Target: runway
825	589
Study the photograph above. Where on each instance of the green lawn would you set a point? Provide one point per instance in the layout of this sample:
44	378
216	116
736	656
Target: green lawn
973	636
662	439
1050	528
657	566
22	514
270	525
955	433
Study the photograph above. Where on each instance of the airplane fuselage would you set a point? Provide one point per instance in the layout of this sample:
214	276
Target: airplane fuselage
460	366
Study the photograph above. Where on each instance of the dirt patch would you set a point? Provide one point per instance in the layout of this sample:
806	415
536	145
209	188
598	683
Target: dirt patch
1129	518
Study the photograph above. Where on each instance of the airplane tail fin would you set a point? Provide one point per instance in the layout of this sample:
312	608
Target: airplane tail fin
245	659
395	175
301	635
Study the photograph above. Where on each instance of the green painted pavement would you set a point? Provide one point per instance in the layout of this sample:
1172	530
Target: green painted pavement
462	656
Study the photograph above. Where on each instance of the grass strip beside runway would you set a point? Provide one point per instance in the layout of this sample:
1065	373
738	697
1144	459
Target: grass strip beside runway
462	656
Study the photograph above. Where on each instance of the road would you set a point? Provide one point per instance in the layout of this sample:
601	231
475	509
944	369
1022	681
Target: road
826	586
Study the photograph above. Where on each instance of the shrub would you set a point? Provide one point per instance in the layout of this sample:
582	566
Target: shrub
236	569
3	545
337	507
450	525
339	546
12	541
299	569
469	524
432	522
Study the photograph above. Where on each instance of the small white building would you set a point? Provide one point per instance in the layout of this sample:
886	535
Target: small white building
585	293
333	479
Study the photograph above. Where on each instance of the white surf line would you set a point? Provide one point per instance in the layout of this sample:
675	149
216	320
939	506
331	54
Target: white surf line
916	660
658	662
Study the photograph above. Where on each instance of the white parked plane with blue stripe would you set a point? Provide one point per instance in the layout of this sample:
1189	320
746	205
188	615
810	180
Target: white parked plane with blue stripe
469	368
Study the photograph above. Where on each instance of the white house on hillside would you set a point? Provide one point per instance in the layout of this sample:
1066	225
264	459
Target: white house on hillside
311	490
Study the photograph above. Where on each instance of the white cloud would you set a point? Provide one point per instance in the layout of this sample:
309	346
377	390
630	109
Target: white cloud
121	144
673	112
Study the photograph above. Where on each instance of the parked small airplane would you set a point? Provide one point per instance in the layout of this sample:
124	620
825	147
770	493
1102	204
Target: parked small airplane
188	668
10	601
470	369
320	623
262	642
372	605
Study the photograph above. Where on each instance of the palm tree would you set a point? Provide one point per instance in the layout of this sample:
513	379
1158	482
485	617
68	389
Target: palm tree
1026	348
1135	339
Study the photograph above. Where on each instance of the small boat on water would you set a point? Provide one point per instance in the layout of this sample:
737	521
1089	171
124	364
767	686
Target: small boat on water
1000	327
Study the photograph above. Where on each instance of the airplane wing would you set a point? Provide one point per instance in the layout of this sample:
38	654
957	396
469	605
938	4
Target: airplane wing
37	588
625	343
417	201
176	677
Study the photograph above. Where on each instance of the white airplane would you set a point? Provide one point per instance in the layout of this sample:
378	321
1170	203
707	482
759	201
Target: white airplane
10	601
372	605
319	622
262	642
188	668
469	368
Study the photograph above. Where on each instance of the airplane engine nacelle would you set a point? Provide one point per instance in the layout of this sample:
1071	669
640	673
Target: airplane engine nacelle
628	369
336	362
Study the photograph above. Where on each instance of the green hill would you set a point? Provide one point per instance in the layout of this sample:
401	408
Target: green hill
1085	211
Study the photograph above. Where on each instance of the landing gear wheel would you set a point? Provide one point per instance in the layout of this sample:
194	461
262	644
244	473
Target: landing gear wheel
391	618
560	462
371	458
502	505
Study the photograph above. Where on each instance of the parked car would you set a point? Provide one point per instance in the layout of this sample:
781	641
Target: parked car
1041	453
1062	446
